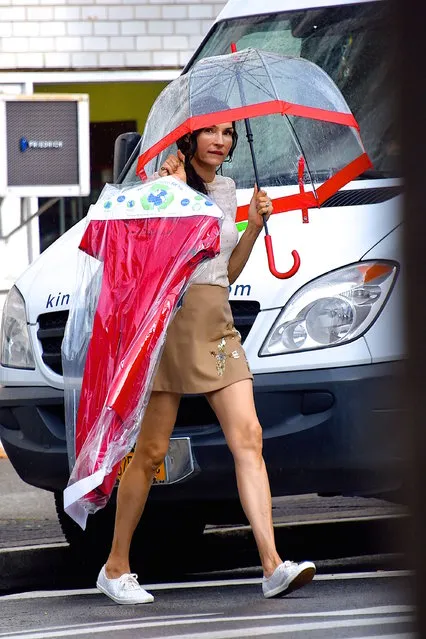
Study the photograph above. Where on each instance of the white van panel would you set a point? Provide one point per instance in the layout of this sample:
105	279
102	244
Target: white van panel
240	8
57	266
21	377
325	237
324	244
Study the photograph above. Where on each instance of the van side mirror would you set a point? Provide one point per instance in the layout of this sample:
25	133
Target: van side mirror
124	146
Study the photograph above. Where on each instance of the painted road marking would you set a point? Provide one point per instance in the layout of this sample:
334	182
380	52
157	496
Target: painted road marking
398	636
89	624
302	627
219	583
242	633
257	631
357	612
60	544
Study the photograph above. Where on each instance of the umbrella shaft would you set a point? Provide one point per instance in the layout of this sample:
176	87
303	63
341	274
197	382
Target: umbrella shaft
253	156
249	133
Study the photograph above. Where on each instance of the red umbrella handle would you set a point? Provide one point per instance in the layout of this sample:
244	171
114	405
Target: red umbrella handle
271	261
268	239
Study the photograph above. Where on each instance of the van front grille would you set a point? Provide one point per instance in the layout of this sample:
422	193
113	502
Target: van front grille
52	327
360	197
244	312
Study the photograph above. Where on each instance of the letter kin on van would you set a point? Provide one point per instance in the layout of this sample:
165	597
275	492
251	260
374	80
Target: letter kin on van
60	299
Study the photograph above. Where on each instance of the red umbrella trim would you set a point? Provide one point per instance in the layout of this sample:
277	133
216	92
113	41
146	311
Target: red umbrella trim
324	191
251	111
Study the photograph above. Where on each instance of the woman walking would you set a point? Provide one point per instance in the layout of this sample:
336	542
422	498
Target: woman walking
203	354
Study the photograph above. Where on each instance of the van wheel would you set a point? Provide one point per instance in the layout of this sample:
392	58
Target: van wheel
88	548
167	542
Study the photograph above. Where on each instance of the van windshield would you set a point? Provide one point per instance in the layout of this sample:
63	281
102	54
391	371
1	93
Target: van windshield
351	43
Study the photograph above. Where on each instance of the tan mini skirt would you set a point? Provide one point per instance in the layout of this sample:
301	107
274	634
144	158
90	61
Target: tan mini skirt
203	351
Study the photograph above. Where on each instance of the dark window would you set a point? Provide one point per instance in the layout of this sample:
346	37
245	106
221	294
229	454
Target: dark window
67	211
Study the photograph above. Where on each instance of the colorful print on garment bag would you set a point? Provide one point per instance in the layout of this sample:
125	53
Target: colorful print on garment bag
159	198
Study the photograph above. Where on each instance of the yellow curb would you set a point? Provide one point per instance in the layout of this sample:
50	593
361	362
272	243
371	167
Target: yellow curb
2	452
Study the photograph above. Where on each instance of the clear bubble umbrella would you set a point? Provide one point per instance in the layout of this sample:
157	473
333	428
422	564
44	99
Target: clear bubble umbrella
304	118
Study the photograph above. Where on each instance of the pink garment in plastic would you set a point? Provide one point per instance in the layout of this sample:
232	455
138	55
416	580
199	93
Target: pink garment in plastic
148	262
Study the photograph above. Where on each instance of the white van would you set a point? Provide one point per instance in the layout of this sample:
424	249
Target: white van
325	346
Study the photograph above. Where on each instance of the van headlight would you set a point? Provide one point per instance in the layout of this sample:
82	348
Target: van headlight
16	351
334	309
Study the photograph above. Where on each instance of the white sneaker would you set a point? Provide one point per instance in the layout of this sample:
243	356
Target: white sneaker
124	589
287	577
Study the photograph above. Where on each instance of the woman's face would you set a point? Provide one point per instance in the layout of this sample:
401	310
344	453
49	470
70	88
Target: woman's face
213	144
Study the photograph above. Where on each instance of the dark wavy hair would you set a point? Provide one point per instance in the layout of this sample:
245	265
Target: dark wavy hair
188	145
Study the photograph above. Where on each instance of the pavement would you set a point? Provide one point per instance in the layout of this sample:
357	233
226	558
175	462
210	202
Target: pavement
330	527
28	515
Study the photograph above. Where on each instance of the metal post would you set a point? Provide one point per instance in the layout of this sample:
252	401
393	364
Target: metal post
62	227
25	216
81	212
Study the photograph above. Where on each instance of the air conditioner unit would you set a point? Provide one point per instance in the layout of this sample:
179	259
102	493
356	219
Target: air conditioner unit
44	145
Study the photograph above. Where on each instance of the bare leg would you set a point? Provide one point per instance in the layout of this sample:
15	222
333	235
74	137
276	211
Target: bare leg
151	448
235	410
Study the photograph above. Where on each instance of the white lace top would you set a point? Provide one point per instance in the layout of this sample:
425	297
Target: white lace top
222	192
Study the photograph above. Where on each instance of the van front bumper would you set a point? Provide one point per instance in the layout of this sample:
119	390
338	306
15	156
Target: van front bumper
331	431
32	432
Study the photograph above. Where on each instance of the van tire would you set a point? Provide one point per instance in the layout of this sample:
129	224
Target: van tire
166	543
88	548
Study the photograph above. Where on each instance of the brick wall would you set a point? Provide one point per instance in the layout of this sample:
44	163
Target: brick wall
102	34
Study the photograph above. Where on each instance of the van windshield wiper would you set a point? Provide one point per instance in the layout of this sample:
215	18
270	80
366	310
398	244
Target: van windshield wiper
374	174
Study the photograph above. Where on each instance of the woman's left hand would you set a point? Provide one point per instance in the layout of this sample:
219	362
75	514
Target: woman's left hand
260	208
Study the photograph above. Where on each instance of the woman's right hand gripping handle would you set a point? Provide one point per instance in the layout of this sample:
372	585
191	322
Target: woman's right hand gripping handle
174	165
